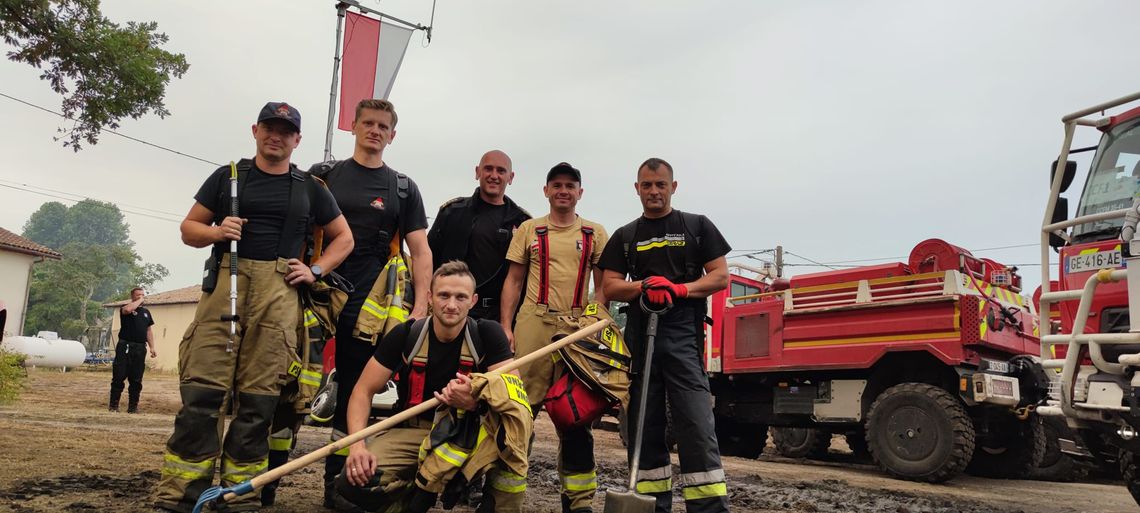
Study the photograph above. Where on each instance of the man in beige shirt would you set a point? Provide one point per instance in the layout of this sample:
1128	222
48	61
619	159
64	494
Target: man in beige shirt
556	253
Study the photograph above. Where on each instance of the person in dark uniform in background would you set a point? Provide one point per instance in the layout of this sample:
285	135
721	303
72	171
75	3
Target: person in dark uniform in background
477	229
135	340
677	258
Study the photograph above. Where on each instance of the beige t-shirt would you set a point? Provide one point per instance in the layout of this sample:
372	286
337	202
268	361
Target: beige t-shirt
565	257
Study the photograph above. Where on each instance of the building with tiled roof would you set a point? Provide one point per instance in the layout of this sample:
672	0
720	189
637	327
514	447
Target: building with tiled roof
17	255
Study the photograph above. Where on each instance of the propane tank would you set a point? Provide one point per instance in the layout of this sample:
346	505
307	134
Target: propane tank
42	352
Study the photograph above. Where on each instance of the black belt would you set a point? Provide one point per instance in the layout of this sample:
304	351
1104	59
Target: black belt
130	341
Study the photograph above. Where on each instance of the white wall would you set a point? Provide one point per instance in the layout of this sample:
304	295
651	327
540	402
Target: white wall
170	323
14	269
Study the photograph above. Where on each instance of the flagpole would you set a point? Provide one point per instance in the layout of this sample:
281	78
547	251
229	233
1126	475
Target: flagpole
341	7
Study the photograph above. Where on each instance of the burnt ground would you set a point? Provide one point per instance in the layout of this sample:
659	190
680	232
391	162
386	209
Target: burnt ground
62	452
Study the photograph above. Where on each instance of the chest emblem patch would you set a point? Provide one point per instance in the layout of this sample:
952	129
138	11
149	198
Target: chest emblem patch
378	203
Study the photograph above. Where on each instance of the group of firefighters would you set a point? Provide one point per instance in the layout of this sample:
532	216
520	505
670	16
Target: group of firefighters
468	314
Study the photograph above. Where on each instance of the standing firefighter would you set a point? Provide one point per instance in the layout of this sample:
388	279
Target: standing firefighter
677	258
555	254
477	229
404	468
383	207
135	334
216	371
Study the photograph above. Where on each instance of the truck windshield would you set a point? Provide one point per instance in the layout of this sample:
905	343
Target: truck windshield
1111	183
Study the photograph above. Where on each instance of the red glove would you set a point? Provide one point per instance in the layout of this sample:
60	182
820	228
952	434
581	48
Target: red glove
662	291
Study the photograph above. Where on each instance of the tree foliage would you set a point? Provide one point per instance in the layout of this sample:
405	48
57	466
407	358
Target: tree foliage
99	264
104	71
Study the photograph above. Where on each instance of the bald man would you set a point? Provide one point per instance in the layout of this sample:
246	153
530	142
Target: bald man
477	229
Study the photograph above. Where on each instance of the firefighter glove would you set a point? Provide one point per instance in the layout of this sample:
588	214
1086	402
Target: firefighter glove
662	291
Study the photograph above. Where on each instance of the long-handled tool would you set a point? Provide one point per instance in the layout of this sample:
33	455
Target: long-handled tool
217	493
631	501
233	316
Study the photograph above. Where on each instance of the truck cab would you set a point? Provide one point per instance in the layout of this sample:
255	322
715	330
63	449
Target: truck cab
1097	286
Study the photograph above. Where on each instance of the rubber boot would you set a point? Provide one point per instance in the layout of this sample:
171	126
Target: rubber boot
269	492
334	465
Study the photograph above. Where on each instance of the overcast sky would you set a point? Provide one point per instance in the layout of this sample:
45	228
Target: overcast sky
842	130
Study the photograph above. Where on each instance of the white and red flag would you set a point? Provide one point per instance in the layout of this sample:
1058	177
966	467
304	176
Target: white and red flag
371	57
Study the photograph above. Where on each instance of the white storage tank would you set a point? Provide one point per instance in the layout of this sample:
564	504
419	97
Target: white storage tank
42	352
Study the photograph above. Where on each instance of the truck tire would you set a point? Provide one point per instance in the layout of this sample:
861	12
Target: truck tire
1012	449
1056	465
738	439
795	442
1130	471
920	432
857	442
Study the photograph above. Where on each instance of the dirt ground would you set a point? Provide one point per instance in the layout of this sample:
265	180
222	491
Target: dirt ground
61	451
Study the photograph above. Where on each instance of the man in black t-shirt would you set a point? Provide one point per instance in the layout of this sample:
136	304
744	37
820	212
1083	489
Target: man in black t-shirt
477	229
677	258
383	208
455	346
277	203
135	338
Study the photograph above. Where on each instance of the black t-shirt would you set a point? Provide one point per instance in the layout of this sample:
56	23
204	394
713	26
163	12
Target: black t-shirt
264	201
443	357
487	247
133	325
368	196
664	247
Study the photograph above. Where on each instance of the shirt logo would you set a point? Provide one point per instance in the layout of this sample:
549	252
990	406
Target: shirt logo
669	240
378	203
579	245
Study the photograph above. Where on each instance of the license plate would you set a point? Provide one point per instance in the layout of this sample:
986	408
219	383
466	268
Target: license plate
996	366
1094	261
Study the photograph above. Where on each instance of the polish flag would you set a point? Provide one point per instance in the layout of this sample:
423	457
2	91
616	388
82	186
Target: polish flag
371	57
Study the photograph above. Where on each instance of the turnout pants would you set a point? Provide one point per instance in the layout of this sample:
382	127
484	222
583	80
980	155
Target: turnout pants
677	376
130	362
263	359
576	468
352	354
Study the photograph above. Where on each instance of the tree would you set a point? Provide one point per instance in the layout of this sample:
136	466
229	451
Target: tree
99	263
104	71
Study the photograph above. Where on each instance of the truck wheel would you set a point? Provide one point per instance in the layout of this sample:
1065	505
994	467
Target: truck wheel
920	432
1130	471
737	439
857	442
1056	465
1010	450
792	442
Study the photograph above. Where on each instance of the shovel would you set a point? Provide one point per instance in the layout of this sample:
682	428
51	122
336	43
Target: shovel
631	501
217	494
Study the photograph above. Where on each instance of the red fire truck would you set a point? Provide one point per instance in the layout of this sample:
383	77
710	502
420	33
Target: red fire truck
931	363
1095	357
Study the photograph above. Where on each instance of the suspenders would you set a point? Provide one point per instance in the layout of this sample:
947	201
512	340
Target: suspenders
542	233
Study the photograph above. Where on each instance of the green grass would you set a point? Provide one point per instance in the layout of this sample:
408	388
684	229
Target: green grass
12	376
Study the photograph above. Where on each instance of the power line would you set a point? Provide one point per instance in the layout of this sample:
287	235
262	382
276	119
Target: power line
108	130
979	250
101	205
808	259
82	197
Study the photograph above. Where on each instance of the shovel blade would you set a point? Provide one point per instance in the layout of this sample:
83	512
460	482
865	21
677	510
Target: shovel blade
629	502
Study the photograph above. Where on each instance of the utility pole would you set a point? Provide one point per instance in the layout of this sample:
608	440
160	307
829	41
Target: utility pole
779	261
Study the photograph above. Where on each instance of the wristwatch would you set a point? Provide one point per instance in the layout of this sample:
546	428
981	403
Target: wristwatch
317	271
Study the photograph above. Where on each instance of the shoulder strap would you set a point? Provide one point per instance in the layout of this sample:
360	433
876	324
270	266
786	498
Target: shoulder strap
401	184
694	268
418	332
298	207
469	342
628	234
321	169
583	266
542	234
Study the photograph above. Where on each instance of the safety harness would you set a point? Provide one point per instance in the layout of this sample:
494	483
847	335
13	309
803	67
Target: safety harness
416	360
542	233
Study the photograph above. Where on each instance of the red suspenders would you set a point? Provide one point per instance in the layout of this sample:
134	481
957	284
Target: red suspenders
543	236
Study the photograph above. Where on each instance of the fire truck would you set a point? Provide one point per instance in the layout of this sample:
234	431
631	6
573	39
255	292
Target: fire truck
931	363
1093	360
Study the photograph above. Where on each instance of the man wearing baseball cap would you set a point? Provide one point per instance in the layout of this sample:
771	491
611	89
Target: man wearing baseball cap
276	205
556	255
